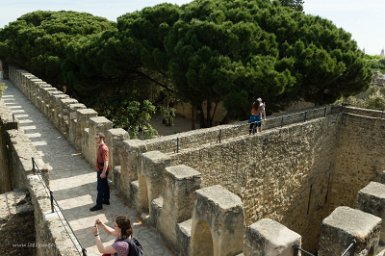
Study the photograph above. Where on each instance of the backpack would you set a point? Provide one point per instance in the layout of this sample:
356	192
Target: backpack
136	249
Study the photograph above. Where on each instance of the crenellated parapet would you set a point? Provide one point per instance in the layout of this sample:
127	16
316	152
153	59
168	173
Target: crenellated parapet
220	191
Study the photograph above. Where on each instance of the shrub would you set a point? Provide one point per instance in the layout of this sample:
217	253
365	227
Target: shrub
2	88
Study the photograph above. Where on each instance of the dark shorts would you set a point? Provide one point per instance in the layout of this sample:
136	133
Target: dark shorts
255	119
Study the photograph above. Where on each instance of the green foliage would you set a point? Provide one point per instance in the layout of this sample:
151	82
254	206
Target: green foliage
99	64
372	98
295	4
376	62
38	41
133	116
3	87
374	101
234	51
205	52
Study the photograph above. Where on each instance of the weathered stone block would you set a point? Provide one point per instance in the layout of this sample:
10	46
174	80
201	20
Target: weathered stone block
130	157
178	199
345	226
89	147
371	199
73	122
83	116
217	219
183	233
267	237
39	98
114	139
57	108
134	188
64	114
151	177
156	210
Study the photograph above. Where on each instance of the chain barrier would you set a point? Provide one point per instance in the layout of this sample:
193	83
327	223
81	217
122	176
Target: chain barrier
54	203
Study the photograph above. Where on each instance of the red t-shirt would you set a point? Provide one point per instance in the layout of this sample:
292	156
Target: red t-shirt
102	156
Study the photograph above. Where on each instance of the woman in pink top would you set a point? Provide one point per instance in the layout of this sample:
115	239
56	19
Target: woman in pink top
257	113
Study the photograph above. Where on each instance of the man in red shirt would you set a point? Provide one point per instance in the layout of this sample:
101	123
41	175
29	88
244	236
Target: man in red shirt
102	169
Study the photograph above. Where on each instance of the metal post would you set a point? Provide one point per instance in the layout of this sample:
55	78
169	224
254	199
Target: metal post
296	251
177	144
281	121
51	197
33	166
349	247
304	120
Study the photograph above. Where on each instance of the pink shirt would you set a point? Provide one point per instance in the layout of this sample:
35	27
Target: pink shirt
122	248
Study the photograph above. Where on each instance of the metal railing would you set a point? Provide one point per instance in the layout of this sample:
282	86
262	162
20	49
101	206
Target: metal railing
349	247
54	203
297	249
272	122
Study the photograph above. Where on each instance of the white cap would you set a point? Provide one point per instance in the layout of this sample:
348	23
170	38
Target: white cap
259	99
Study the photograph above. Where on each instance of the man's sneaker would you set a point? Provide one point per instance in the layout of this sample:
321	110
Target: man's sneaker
96	208
106	202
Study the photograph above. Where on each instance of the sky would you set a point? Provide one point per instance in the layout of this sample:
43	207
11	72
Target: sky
365	20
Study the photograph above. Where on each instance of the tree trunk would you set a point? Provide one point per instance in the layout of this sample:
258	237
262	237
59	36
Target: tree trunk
208	114
201	116
193	117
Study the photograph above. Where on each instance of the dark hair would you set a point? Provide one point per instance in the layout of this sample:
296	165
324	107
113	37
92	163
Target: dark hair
256	105
124	224
101	135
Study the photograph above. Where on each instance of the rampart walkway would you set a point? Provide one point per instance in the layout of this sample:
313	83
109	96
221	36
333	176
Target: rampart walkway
73	180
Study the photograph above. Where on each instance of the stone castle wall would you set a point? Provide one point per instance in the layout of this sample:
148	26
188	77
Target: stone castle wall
281	174
5	175
360	156
50	234
296	174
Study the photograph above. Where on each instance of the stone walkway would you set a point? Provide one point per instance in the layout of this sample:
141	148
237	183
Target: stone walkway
73	180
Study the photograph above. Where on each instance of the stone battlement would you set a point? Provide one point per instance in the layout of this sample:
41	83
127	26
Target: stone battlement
220	191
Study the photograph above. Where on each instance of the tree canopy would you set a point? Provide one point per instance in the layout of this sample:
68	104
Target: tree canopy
38	41
233	51
204	52
295	4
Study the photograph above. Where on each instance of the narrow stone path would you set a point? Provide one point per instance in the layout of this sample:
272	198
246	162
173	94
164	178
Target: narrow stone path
73	180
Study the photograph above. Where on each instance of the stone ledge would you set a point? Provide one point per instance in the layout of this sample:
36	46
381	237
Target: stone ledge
346	225
268	237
